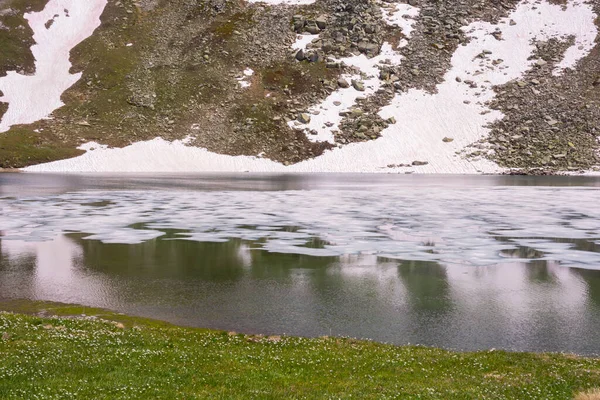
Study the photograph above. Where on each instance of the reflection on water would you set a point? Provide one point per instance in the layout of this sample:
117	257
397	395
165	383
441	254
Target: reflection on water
467	263
232	285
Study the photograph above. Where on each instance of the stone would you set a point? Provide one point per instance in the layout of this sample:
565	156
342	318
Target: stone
312	29
300	55
313	56
419	163
343	83
358	85
321	22
304	118
447	140
367	47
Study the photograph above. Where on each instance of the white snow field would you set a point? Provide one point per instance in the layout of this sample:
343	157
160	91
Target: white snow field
457	110
34	97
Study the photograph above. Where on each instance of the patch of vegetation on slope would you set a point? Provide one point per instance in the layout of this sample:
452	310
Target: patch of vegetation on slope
108	355
20	147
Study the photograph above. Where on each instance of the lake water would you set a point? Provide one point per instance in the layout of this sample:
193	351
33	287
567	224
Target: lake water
468	263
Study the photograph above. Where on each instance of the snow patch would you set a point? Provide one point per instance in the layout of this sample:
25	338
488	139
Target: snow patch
325	118
401	15
31	98
244	80
459	109
303	40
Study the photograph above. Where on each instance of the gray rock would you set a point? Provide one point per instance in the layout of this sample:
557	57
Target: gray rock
367	47
447	140
419	163
343	83
303	118
312	29
313	56
321	22
358	85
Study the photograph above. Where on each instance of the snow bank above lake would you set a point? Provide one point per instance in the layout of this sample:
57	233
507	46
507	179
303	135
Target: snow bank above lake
458	110
57	29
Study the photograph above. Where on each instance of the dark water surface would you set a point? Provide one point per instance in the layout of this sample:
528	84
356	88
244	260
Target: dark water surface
458	262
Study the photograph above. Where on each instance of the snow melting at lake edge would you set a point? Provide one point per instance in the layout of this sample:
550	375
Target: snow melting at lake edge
423	119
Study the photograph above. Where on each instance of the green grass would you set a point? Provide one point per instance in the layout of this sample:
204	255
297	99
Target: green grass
100	358
21	147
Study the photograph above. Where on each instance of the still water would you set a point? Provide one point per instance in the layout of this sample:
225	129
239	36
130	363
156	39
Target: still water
457	262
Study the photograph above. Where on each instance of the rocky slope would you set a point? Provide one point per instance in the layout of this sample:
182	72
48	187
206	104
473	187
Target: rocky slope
296	82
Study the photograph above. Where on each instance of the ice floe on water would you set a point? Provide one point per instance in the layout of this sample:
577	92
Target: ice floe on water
59	27
458	110
450	225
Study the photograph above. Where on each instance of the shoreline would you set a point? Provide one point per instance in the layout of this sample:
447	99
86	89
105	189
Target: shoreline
116	356
52	309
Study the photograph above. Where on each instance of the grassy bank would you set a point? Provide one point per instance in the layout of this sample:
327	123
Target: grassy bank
111	356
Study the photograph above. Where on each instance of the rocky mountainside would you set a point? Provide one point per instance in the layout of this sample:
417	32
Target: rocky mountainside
482	85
